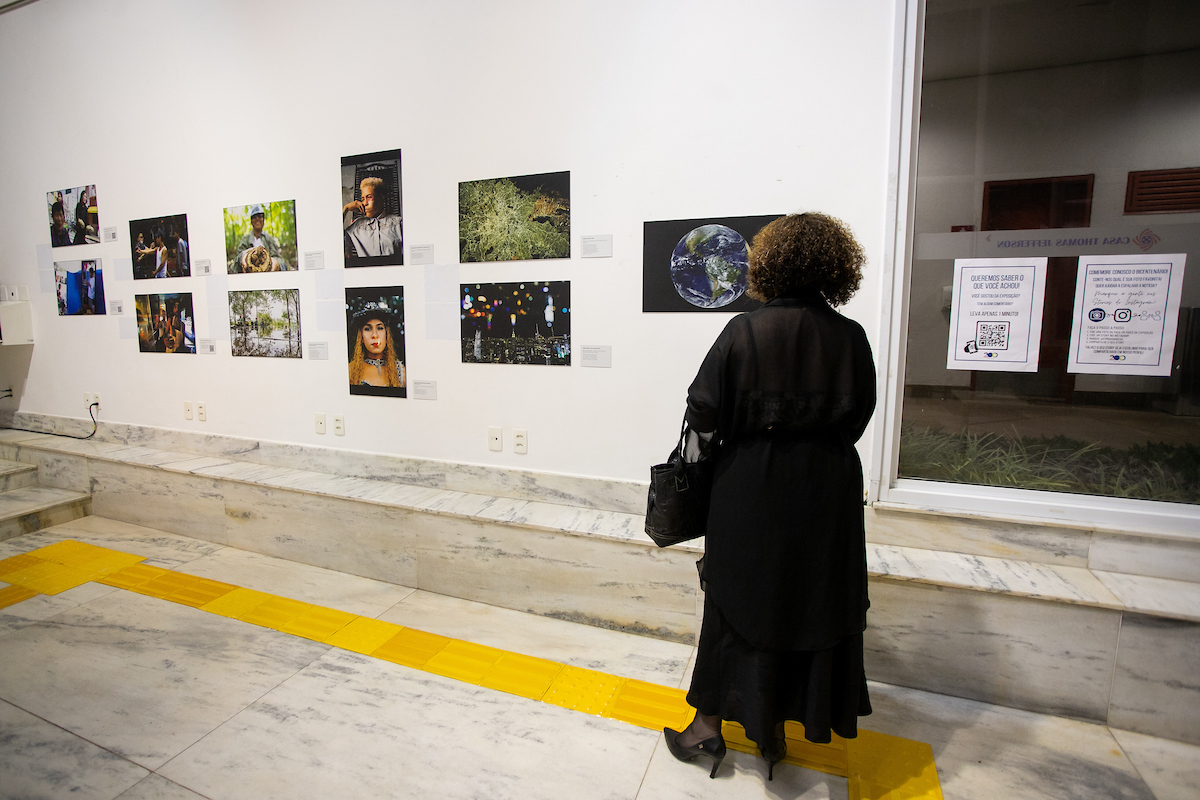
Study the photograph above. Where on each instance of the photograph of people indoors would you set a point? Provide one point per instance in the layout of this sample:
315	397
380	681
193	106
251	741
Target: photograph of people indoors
375	341
159	247
74	218
165	323
79	286
261	237
372	209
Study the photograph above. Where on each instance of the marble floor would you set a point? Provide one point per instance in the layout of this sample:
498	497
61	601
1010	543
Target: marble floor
105	693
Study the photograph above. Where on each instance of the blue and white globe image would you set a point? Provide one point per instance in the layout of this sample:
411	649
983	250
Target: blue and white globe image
709	266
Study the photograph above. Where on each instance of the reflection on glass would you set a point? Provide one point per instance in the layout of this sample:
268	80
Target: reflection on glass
1026	148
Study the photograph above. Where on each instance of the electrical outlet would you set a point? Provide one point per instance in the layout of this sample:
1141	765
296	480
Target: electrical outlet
96	400
87	399
495	439
320	423
187	409
520	440
201	413
339	425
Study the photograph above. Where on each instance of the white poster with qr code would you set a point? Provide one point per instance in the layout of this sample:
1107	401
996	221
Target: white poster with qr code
1126	314
996	314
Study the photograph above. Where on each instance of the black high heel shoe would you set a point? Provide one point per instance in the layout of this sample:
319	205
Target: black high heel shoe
777	753
712	747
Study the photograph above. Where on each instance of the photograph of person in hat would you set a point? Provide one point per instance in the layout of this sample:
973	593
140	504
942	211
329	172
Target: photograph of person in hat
261	237
375	341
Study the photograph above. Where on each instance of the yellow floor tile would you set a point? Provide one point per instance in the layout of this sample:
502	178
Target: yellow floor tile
200	592
11	595
166	585
583	690
48	577
17	563
464	661
71	553
522	675
363	635
890	768
236	603
129	577
412	648
318	623
650	706
275	612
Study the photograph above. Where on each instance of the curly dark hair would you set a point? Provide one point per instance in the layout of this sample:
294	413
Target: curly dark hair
806	251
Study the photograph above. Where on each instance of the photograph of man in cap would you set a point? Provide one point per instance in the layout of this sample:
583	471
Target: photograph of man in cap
261	237
257	250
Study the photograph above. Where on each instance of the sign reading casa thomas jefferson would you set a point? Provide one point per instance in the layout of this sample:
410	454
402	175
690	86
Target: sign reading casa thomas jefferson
996	314
1126	314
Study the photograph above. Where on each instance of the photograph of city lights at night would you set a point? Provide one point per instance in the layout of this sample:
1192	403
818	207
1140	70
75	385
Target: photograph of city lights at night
516	323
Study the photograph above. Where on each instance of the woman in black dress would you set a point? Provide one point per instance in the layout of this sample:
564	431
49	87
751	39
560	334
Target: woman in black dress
786	390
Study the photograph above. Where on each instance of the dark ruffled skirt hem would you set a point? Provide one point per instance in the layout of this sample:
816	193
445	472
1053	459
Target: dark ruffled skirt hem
824	690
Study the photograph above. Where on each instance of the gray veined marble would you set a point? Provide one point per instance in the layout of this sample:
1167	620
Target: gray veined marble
191	505
158	676
1156	686
351	726
41	760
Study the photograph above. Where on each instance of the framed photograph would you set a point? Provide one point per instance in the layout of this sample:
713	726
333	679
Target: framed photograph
166	323
265	323
698	264
375	341
159	247
515	219
516	323
74	218
261	237
79	286
372	210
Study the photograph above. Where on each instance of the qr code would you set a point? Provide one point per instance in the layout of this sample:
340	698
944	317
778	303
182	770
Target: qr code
991	335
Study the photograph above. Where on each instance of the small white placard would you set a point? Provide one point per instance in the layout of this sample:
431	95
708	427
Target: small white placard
318	351
1126	314
206	347
110	234
996	314
596	355
204	266
314	259
127	327
420	254
116	307
596	246
424	390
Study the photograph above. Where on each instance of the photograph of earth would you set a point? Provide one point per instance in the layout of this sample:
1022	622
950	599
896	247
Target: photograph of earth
698	264
515	219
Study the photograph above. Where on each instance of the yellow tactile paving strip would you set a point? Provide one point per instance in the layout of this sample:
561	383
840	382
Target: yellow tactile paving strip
877	766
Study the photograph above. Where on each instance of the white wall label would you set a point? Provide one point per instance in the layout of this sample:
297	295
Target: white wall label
110	234
596	355
424	390
116	307
206	347
1126	313
597	246
318	351
127	328
314	259
420	254
996	314
204	267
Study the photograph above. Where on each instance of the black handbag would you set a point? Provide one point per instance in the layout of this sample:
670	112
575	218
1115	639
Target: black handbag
677	503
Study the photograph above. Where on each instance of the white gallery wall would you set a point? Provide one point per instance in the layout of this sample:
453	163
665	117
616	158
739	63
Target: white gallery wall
660	110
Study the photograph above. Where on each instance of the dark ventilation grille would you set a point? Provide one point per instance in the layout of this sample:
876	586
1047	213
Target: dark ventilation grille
1160	191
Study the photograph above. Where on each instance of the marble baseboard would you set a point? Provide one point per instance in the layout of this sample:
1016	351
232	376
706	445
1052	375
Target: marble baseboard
1158	558
44	518
184	504
574	490
1043	656
1045	544
1155	687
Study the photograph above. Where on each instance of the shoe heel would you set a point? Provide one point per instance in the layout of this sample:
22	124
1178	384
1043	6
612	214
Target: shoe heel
716	764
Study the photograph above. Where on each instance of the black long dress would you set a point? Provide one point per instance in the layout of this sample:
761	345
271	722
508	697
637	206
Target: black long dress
788	388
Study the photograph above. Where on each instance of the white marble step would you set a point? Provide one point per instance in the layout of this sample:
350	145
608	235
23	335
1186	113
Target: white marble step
32	508
15	475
